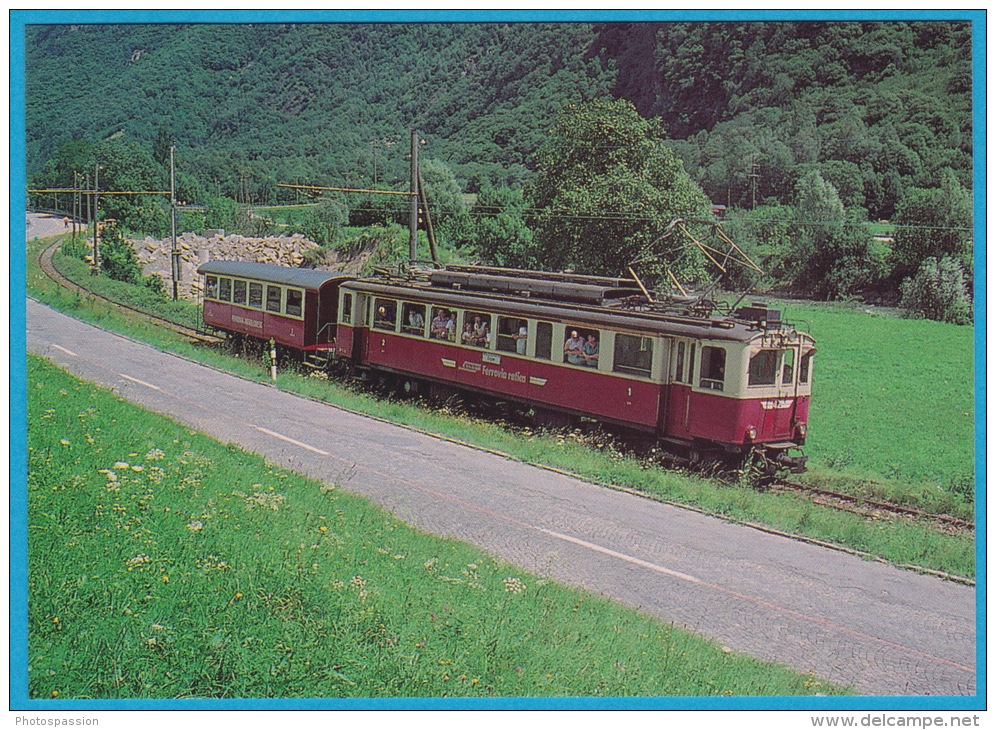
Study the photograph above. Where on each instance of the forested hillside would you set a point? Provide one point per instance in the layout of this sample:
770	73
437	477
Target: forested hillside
879	112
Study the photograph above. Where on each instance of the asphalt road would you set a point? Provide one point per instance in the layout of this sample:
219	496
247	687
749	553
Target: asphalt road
880	630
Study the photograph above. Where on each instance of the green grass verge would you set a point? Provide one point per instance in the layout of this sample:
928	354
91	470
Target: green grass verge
900	542
163	564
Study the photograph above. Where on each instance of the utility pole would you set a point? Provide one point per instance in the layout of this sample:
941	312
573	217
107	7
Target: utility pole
95	268
175	253
753	176
413	189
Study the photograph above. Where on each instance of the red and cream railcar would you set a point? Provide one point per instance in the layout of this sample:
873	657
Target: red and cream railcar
294	307
569	346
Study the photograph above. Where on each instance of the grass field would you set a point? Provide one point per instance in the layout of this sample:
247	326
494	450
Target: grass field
876	380
163	564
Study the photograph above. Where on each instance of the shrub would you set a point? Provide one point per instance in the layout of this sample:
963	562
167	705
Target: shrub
938	292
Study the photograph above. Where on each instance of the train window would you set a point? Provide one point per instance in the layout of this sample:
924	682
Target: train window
274	297
295	302
713	368
679	363
476	329
512	334
385	314
413	319
788	366
211	287
239	292
346	316
581	347
763	368
225	289
443	325
805	367
633	354
255	295
544	340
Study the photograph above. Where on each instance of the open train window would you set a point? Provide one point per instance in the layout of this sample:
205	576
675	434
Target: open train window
713	368
239	292
295	302
763	368
443	326
225	289
581	347
476	329
413	319
211	287
346	315
512	334
633	354
255	295
805	367
544	340
274	297
385	314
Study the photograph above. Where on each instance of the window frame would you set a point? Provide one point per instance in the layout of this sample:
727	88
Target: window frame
257	288
706	381
406	309
776	358
509	343
287	302
627	369
379	325
268	304
236	285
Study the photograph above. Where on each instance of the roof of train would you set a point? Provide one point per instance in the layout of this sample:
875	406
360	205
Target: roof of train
305	278
720	328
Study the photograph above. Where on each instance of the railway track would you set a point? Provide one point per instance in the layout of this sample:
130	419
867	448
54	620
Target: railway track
48	268
866	507
874	509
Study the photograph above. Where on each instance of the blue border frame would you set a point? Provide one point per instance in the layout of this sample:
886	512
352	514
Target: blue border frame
18	362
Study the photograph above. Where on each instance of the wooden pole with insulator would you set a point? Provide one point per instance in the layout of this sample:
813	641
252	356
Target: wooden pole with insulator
413	191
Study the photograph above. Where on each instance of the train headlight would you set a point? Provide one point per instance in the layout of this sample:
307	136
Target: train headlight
751	433
800	431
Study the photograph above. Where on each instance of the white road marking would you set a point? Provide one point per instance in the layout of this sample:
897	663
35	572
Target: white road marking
621	556
289	440
140	382
68	352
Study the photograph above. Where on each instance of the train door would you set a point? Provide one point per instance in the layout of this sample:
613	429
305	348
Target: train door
682	366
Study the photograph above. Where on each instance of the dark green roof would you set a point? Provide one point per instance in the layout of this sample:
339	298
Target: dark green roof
305	278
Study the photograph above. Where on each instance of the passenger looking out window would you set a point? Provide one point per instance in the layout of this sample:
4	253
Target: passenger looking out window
480	329
590	350
573	351
512	335
443	325
211	288
413	321
385	314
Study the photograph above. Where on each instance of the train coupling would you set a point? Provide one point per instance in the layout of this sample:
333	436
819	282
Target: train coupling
780	455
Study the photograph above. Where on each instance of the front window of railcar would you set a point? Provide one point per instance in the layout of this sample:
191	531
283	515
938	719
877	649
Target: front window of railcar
806	367
788	366
763	368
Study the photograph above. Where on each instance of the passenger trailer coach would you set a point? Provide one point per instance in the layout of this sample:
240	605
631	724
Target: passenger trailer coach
570	347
